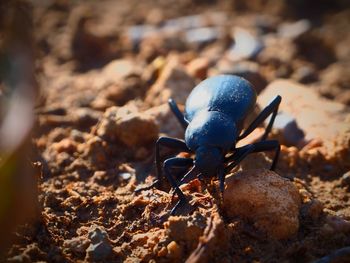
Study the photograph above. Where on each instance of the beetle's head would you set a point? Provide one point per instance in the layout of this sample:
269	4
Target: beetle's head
208	160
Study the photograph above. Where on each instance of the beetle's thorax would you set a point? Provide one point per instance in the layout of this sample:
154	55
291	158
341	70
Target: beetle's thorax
211	129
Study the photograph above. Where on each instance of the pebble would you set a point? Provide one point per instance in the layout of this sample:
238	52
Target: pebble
263	197
128	126
139	32
203	35
125	176
316	116
99	251
117	70
65	145
100	247
345	179
97	234
76	245
198	67
196	27
174	250
245	45
290	132
130	88
185	22
295	29
95	151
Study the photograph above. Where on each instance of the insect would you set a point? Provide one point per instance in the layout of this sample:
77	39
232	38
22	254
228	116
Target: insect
213	121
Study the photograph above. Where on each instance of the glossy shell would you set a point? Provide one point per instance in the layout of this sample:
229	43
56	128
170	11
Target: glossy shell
211	129
229	94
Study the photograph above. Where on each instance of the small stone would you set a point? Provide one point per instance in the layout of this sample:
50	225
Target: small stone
198	68
203	35
174	250
77	245
95	151
100	247
125	176
291	134
119	93
97	234
128	126
137	33
101	104
326	121
345	179
65	145
295	29
118	70
99	251
185	22
263	197
245	45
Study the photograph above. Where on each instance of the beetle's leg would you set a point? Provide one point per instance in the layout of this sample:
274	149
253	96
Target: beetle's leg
178	114
170	143
221	176
261	146
168	165
190	175
272	108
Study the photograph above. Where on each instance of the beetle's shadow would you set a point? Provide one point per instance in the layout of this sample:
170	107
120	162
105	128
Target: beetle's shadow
144	169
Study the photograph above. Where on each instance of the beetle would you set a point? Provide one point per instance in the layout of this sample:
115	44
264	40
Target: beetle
213	122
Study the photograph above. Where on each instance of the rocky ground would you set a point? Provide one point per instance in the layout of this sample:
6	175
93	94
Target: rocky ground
105	71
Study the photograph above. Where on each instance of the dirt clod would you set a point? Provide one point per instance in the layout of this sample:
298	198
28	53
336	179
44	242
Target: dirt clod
127	126
269	201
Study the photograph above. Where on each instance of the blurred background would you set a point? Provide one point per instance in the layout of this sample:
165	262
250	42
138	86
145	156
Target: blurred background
64	63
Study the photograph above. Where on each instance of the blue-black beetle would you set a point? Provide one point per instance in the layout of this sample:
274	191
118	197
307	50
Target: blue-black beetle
214	115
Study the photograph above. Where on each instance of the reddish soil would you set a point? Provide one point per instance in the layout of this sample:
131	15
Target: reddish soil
105	70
